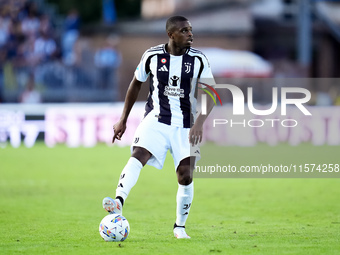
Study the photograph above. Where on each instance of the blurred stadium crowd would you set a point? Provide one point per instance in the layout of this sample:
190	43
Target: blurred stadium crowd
49	60
38	58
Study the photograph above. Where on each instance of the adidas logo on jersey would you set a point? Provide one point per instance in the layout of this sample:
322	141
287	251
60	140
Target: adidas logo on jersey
163	69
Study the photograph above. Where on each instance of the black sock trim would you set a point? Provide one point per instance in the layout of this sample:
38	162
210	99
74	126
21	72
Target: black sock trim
120	199
176	226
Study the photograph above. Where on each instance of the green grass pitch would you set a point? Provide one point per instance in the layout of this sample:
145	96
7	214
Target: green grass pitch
50	203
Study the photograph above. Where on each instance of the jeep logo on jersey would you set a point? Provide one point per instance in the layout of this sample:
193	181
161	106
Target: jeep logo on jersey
174	80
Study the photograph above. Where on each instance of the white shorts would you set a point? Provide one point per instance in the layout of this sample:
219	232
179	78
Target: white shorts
158	138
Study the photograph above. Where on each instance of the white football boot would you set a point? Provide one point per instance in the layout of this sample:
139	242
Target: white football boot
179	233
112	205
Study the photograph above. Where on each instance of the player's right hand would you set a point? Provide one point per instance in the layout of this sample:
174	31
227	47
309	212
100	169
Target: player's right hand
119	129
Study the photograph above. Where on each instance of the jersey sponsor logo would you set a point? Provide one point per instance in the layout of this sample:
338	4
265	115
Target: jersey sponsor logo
173	80
174	92
163	69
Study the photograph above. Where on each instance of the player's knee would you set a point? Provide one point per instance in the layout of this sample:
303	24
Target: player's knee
185	180
184	175
141	154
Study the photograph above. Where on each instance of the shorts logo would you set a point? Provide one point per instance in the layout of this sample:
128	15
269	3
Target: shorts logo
136	140
163	60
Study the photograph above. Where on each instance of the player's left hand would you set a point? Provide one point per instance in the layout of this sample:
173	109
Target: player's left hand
195	134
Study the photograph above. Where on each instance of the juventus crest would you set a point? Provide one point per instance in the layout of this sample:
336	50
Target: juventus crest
187	67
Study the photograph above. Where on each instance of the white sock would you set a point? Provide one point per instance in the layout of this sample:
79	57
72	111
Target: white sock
185	194
128	177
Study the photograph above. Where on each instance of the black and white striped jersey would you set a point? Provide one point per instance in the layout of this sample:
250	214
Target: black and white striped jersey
173	82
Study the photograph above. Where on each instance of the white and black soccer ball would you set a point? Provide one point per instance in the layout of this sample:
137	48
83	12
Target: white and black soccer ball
114	228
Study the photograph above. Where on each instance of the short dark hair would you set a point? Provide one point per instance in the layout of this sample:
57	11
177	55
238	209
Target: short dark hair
171	22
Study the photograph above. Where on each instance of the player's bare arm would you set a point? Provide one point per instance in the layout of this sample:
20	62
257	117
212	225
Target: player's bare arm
196	131
130	99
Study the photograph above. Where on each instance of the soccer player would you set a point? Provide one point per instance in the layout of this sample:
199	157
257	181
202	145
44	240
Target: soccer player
169	122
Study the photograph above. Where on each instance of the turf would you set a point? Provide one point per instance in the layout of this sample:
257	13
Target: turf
50	203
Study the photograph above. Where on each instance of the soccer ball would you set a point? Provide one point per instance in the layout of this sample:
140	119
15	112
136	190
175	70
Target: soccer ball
114	228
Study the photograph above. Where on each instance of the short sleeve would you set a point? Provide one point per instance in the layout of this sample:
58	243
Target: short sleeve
206	75
140	71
